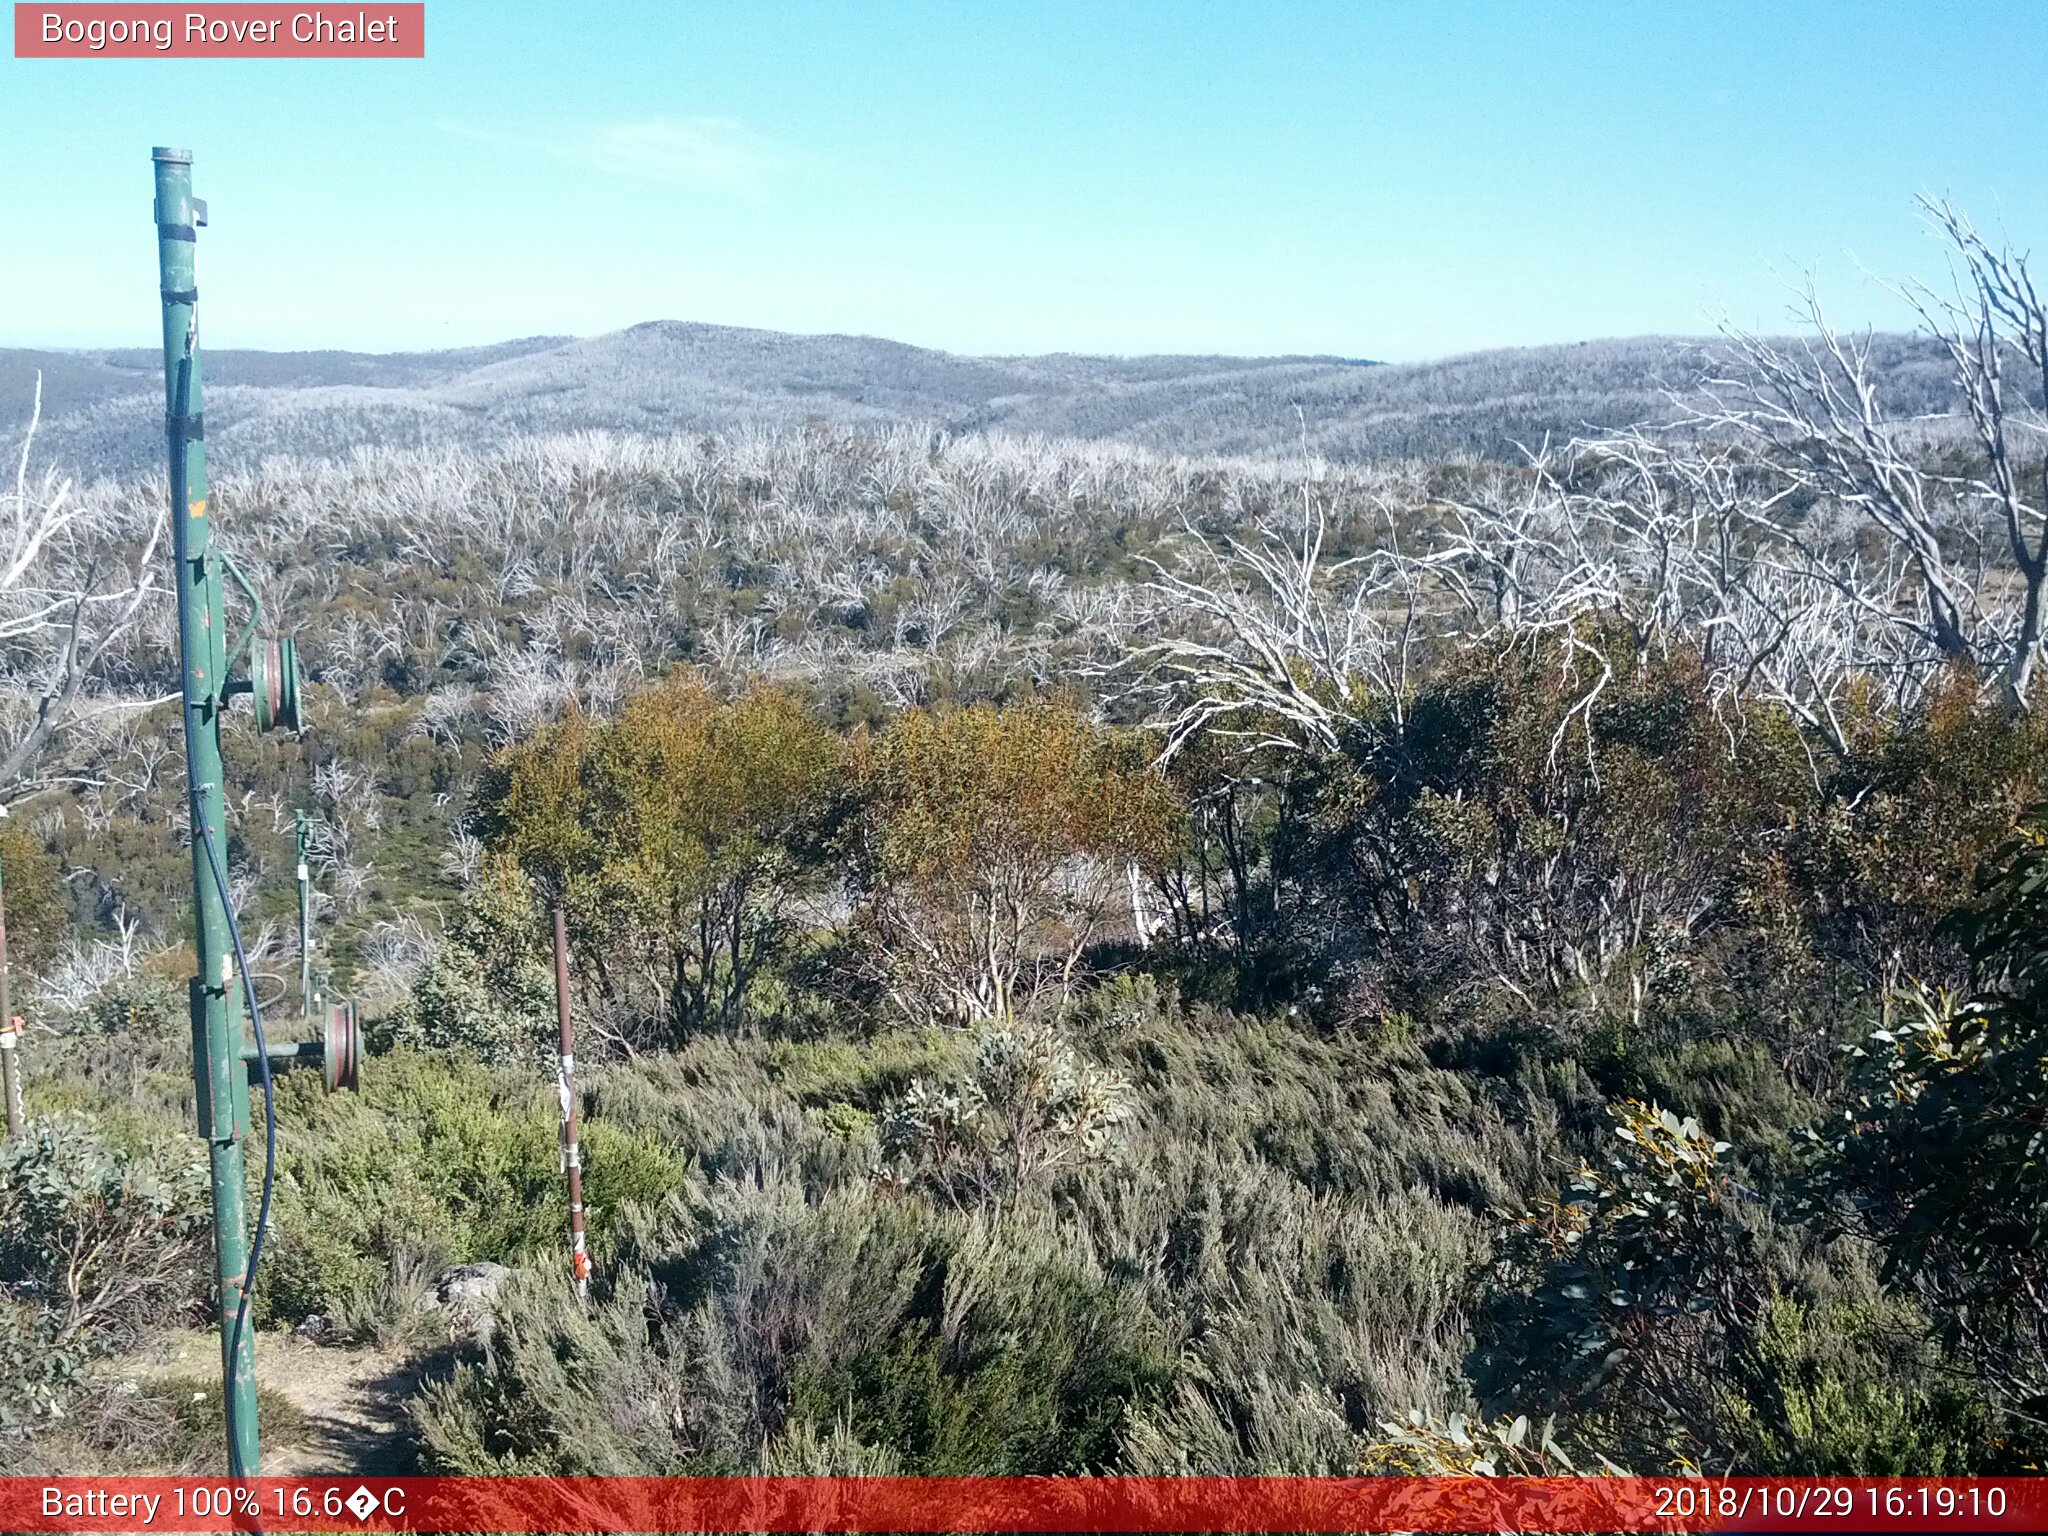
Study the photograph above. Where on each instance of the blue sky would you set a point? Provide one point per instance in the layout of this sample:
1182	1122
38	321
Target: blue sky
1381	180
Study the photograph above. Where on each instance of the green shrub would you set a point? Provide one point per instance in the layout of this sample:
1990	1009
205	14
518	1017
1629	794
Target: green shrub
991	847
1629	1293
676	837
149	1003
1852	1390
486	990
124	1054
1656	1303
1007	1363
441	1159
1937	1152
866	1073
98	1243
38	907
39	1371
760	1321
1733	1087
100	1240
1029	1105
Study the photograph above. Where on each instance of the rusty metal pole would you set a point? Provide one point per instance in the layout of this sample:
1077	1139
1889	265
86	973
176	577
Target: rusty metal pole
10	1075
305	925
565	1088
10	1030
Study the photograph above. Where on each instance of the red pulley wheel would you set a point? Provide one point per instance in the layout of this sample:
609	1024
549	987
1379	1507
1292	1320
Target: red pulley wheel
343	1046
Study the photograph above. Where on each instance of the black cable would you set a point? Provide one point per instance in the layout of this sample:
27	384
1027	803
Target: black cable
220	879
180	486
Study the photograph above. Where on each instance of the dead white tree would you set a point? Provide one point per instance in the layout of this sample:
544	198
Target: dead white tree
1267	643
74	576
1972	540
1994	328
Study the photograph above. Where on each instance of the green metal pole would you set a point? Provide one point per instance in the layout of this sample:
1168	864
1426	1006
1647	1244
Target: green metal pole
219	1078
305	926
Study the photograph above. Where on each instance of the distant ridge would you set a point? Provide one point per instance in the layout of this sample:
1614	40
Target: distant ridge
103	408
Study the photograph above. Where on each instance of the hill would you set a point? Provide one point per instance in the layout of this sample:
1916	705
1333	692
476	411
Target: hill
102	409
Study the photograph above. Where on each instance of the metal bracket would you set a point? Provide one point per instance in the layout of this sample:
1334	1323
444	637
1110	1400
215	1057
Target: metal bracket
339	1050
241	644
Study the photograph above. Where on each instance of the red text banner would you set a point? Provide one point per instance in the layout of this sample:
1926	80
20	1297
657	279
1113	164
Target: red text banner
1133	1504
241	31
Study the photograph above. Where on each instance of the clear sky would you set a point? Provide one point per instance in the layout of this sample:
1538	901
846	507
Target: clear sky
1369	179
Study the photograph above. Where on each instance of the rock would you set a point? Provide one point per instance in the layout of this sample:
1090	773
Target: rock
467	1295
472	1284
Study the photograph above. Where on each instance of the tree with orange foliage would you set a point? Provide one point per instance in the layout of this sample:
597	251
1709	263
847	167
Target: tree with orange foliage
675	835
992	845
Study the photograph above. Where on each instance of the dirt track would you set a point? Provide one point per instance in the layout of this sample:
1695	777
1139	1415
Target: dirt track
353	1401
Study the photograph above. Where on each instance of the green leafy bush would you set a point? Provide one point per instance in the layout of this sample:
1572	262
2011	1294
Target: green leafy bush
957	1348
98	1238
440	1160
1029	1105
97	1244
1628	1291
1937	1155
39	1371
676	837
1261	1274
38	908
1656	1303
1856	1390
990	847
150	1003
486	990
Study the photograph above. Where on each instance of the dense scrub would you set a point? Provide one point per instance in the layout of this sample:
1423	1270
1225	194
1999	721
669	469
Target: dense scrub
1230	1277
1371	1140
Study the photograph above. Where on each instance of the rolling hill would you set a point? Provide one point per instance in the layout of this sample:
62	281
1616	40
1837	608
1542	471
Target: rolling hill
102	409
